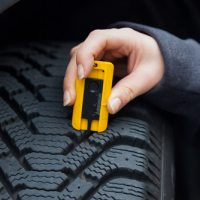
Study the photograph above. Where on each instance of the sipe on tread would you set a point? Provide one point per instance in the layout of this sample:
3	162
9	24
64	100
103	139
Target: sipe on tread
43	157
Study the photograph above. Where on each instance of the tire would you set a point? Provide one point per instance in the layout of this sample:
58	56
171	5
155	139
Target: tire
43	157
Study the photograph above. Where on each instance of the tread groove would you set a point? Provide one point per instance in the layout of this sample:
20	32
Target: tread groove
43	157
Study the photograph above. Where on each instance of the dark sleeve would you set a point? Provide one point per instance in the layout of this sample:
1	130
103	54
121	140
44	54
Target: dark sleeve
179	90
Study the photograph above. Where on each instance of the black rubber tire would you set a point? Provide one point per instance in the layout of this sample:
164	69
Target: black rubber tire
43	157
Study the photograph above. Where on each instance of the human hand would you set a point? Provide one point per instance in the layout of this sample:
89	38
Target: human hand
136	57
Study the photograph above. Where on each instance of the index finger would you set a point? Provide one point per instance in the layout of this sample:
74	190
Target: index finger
119	41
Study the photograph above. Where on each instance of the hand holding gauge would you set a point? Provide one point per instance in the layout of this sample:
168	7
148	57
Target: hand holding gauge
137	59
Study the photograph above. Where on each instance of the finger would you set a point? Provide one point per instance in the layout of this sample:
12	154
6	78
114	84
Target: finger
74	50
108	56
138	82
69	89
100	56
103	40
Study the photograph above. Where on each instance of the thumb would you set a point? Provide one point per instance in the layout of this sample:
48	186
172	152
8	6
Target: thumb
138	82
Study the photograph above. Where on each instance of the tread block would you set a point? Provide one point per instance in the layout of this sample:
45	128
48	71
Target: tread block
130	160
19	51
73	163
13	65
21	100
1	187
122	188
65	50
54	50
18	177
25	142
8	116
47	162
77	190
44	47
3	193
128	130
155	135
51	95
104	139
4	151
9	86
41	62
33	194
82	154
53	71
5	196
31	108
146	113
54	126
35	80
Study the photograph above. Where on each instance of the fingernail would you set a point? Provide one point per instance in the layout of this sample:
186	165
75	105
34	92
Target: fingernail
67	98
115	104
80	72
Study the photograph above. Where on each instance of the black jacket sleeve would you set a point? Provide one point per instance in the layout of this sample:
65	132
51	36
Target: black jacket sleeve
179	90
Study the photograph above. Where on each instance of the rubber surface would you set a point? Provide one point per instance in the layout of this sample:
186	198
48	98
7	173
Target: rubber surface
43	157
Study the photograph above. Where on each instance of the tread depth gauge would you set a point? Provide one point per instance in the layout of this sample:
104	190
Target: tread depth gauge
90	109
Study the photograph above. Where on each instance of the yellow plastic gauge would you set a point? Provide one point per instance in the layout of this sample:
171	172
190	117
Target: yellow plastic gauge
90	109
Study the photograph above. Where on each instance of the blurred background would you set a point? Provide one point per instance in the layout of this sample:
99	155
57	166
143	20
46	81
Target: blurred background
74	20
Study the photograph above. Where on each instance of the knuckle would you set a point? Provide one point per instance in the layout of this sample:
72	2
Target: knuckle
129	30
95	32
129	93
73	50
66	75
66	80
79	56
